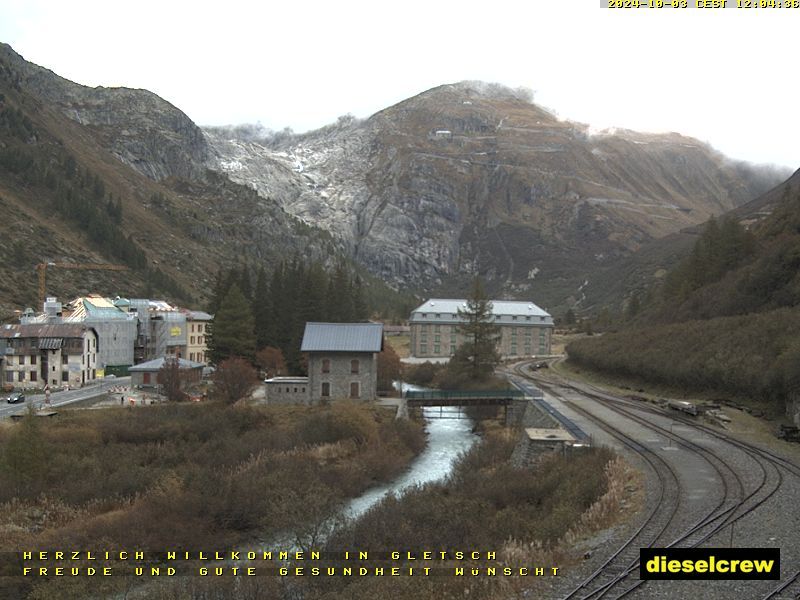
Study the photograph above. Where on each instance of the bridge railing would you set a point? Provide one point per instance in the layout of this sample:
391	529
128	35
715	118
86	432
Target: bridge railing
462	394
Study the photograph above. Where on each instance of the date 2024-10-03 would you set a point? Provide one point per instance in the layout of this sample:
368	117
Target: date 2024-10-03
704	4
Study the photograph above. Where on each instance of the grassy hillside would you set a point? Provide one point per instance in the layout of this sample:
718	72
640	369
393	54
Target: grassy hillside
726	319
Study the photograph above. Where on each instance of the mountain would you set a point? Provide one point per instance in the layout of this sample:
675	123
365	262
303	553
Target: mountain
474	178
118	176
460	180
726	320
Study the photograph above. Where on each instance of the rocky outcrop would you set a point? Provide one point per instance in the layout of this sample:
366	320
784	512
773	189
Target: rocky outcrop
141	129
470	178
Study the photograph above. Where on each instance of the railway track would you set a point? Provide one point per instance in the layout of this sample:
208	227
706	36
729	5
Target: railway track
617	577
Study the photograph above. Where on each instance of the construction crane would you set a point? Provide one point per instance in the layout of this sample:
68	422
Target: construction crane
42	270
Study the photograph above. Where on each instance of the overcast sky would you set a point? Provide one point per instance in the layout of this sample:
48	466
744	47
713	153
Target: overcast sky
725	76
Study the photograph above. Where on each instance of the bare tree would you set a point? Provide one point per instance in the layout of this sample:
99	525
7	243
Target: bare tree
234	379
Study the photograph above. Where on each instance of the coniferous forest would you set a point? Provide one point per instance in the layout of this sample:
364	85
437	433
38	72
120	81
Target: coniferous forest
254	311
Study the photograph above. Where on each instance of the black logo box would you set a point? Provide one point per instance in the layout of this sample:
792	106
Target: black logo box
647	555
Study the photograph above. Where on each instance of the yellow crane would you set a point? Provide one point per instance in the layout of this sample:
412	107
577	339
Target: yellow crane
42	270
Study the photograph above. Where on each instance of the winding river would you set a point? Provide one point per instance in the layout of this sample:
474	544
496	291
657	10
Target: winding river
447	438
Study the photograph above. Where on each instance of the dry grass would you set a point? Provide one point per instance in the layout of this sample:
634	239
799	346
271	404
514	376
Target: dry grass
400	343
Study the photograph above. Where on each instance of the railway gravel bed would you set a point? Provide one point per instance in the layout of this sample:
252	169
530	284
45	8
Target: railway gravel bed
729	492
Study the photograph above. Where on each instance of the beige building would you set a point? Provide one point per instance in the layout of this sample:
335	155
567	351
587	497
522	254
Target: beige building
525	329
197	323
58	355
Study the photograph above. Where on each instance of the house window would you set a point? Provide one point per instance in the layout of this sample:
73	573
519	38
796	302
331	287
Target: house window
423	348
33	359
303	390
192	340
354	390
436	349
64	375
514	318
326	367
63	359
437	328
9	376
326	389
452	349
354	366
33	375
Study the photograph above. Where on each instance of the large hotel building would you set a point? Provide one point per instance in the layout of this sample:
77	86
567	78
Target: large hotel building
525	329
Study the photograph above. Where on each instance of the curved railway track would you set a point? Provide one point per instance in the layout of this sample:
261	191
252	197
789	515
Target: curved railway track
617	577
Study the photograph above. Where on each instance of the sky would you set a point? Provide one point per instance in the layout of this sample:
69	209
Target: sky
725	76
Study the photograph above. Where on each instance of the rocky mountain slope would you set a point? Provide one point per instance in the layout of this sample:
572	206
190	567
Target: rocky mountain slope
119	176
474	178
462	179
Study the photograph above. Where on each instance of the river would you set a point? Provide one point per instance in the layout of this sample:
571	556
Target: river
447	438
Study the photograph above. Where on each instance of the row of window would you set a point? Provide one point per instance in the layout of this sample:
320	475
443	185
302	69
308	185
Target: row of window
200	339
33	376
354	366
201	327
497	317
355	389
31	360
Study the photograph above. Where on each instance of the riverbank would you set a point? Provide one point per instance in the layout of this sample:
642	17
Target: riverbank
186	476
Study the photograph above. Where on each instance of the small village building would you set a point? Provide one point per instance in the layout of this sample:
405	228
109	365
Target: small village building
145	375
287	390
197	325
116	328
525	329
342	360
53	354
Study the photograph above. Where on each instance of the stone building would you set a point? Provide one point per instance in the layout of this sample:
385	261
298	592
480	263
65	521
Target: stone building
287	390
342	360
57	354
525	329
145	375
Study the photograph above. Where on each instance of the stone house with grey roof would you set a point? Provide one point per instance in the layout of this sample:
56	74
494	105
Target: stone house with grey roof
525	329
58	355
342	360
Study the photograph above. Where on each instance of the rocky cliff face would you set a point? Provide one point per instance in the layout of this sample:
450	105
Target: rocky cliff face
473	178
141	129
462	179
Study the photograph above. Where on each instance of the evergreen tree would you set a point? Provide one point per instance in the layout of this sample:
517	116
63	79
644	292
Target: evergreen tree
477	356
232	331
262	309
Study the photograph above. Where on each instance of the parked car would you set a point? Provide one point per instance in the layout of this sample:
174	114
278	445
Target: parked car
16	398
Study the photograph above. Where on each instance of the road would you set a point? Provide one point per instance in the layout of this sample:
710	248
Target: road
64	398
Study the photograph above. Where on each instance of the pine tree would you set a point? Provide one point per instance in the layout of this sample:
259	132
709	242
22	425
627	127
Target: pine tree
262	310
477	356
232	331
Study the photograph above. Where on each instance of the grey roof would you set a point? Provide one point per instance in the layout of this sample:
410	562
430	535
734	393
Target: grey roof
43	330
342	337
155	365
518	312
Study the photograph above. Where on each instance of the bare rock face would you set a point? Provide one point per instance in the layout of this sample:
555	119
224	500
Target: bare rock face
471	177
141	129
